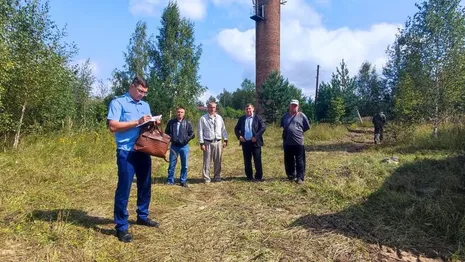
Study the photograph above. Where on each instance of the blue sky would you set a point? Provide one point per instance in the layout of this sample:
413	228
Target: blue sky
312	32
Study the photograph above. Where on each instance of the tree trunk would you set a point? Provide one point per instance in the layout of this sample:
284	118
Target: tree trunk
18	131
436	121
4	143
359	117
436	108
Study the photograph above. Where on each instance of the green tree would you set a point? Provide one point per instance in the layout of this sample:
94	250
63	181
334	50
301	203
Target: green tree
137	58
138	52
430	49
441	26
275	96
211	99
347	86
38	66
341	85
82	89
244	95
336	110
225	98
120	82
5	64
308	108
408	100
391	72
175	76
371	91
239	98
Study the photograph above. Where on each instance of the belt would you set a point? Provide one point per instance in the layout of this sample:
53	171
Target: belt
212	141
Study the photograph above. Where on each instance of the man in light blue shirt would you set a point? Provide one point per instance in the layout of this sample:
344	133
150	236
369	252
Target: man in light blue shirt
248	127
124	114
249	130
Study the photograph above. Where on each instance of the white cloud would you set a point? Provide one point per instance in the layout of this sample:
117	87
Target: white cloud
240	44
92	65
205	96
143	7
322	2
306	42
299	10
193	9
230	2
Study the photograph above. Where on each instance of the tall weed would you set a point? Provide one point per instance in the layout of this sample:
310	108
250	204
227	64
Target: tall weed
451	136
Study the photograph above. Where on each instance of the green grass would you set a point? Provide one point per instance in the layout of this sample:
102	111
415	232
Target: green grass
56	202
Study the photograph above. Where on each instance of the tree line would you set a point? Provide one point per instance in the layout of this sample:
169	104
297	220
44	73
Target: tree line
422	81
42	89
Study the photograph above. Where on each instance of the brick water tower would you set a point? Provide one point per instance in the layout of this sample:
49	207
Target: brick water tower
267	17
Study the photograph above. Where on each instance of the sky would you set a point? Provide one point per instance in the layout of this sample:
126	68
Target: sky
313	32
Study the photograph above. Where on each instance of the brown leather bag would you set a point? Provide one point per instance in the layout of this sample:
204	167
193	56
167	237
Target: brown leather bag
153	142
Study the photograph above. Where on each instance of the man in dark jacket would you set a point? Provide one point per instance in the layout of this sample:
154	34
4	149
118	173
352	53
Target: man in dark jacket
379	120
249	130
181	133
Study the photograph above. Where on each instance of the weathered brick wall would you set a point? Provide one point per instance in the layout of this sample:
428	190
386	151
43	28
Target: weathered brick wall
267	45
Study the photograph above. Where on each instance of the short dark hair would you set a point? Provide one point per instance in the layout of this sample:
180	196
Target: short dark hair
180	107
249	104
138	80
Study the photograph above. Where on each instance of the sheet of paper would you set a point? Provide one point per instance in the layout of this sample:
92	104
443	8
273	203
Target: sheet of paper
154	118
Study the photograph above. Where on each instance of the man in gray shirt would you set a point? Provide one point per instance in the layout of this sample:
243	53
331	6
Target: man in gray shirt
294	124
211	132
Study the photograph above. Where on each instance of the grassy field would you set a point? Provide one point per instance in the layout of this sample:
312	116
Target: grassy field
56	202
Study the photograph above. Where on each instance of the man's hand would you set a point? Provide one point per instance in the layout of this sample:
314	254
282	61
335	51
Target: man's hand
254	140
157	122
202	147
144	119
242	139
225	143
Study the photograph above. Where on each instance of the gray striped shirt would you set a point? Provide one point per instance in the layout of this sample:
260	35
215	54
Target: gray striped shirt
211	128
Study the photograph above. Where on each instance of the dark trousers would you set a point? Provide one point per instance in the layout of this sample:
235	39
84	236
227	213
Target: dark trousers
130	163
249	150
294	161
379	130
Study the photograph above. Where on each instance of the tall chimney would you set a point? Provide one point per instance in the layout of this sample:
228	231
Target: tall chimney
267	16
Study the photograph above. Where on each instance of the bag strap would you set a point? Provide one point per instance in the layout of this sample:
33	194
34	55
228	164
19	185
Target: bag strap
151	128
285	128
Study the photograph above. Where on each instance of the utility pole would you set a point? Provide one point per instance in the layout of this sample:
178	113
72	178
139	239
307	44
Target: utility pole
317	79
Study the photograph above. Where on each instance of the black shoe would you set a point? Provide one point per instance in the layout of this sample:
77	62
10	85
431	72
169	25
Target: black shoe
183	184
249	178
259	180
148	222
291	178
299	181
216	179
124	236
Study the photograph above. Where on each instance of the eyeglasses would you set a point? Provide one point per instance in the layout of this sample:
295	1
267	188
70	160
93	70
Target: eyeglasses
141	92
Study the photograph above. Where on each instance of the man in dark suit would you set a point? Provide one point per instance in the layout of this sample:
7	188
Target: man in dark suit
249	130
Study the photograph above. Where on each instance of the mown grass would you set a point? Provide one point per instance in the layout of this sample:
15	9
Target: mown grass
56	202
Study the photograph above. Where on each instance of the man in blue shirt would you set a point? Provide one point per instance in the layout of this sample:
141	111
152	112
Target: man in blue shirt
124	114
249	130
